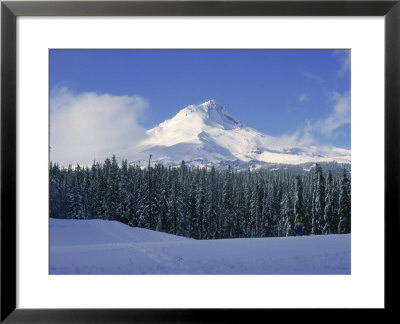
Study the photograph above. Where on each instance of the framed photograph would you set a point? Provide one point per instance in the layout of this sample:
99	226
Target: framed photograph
201	182
180	160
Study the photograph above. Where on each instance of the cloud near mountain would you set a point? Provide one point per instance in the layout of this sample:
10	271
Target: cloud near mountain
89	126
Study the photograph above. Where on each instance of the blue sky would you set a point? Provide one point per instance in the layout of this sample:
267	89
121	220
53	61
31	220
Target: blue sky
279	92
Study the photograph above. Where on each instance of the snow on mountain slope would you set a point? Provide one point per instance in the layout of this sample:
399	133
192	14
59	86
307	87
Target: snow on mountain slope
97	231
104	247
208	133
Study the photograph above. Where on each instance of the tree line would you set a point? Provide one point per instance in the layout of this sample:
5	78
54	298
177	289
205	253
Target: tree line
203	203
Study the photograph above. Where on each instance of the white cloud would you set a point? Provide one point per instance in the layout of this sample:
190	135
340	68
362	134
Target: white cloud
303	136
345	60
90	126
308	133
303	97
339	116
312	76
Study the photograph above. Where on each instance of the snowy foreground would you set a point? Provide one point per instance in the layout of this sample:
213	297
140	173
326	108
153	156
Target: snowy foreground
109	247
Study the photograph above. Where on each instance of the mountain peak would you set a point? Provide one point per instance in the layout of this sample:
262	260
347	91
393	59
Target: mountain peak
210	112
205	106
211	104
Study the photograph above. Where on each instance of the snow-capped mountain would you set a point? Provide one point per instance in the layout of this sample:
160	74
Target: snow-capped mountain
207	133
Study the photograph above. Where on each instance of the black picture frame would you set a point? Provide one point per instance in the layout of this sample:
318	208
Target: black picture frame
10	10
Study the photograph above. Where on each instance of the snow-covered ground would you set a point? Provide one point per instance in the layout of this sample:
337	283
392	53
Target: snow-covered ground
109	247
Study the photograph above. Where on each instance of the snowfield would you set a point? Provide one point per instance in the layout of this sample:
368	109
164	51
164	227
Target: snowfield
110	247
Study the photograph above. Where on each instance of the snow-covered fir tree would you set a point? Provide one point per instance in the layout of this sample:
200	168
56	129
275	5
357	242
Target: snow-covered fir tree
329	212
344	211
204	203
298	200
319	200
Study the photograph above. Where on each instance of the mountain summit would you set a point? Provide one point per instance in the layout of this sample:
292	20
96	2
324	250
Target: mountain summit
207	133
209	112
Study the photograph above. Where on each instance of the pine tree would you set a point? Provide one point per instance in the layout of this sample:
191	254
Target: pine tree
201	205
162	221
212	210
86	194
247	205
272	217
335	204
192	209
75	197
147	202
287	213
135	190
94	183
308	199
123	212
256	207
319	202
227	205
265	214
328	211
298	200
240	212
173	212
344	205
57	192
